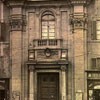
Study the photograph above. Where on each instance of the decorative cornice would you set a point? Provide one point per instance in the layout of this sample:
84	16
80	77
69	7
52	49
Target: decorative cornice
15	3
86	2
26	3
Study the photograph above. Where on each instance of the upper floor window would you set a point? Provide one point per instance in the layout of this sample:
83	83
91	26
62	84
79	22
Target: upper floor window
2	31
48	25
96	63
96	30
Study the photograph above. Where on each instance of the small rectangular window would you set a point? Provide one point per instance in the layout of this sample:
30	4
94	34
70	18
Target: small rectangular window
95	63
96	30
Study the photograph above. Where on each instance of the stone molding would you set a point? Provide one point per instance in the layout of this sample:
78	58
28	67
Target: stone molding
17	22
78	21
80	1
63	68
31	67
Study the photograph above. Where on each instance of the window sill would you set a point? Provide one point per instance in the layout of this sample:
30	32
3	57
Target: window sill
94	41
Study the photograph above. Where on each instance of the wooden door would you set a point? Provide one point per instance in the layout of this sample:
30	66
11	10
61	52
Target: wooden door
48	86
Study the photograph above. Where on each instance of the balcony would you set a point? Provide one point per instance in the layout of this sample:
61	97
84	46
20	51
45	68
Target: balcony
47	50
47	43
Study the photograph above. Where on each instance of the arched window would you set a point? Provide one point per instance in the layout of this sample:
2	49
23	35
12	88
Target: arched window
48	25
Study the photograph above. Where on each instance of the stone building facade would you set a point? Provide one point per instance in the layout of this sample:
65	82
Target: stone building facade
49	49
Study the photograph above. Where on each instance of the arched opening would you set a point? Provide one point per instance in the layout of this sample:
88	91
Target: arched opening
48	25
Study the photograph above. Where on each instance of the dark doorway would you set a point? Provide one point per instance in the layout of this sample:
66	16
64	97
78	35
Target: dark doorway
4	89
96	94
2	94
48	86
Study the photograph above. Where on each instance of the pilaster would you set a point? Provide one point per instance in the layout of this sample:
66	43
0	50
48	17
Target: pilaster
31	82
63	74
17	25
78	22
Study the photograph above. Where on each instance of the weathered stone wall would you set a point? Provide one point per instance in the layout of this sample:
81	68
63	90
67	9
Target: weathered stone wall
74	42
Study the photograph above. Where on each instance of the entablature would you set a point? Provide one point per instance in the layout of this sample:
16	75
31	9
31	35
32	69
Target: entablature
42	65
47	55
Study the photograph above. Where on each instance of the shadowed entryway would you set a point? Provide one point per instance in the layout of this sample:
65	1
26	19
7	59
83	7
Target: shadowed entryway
48	86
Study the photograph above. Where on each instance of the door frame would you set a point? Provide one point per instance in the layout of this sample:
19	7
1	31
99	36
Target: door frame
63	77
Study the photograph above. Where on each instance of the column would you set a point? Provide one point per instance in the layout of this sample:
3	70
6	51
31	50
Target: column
31	83
63	74
79	25
17	24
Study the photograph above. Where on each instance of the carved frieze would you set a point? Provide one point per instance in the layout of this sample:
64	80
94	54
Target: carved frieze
47	54
17	22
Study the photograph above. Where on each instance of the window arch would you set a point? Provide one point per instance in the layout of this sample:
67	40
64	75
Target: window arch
48	25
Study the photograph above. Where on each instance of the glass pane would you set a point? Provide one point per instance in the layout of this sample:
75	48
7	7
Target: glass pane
44	23
98	37
51	30
51	35
51	26
45	27
97	87
45	17
51	17
98	34
51	23
98	25
44	34
48	25
44	30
